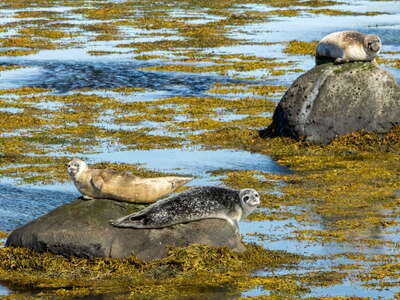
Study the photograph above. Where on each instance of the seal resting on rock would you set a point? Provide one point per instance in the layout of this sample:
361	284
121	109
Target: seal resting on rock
347	46
108	184
199	203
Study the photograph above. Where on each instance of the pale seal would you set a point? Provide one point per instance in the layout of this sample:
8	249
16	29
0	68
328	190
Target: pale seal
347	46
198	203
108	184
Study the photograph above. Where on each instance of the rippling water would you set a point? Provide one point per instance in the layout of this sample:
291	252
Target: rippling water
20	205
64	76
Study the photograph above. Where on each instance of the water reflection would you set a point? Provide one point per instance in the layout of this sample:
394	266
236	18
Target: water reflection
64	76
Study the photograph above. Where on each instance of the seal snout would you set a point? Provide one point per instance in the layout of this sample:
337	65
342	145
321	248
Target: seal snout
74	166
72	170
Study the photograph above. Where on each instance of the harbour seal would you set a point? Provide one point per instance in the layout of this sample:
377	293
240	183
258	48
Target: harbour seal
108	184
347	46
198	203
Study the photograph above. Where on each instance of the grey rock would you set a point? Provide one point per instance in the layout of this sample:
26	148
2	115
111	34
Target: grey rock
81	228
334	100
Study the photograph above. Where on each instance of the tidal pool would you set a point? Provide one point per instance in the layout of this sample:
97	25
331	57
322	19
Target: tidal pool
198	163
182	87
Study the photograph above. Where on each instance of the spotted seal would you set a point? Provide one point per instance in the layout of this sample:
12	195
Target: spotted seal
207	202
347	46
108	184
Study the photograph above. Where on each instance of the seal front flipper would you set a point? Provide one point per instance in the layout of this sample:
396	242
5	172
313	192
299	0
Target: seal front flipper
97	182
234	223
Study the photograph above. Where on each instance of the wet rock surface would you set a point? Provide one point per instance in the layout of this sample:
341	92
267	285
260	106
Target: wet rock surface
334	100
81	228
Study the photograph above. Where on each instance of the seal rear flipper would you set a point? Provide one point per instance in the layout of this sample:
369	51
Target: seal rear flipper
179	181
134	220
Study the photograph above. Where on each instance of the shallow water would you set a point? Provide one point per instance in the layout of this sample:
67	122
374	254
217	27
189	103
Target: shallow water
20	205
198	163
65	70
63	76
4	291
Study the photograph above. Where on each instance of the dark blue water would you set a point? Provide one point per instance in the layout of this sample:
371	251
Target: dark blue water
19	205
63	76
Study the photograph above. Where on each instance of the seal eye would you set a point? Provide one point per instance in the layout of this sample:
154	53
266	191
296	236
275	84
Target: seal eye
246	198
132	218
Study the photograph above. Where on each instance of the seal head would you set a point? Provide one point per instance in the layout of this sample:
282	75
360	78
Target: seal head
373	43
76	167
249	199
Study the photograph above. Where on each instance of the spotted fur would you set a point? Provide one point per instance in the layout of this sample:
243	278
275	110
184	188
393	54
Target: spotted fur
199	203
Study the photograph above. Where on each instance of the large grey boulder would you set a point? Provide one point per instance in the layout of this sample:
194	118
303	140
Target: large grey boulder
334	100
81	228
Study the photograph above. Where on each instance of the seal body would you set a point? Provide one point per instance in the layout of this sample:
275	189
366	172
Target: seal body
195	204
108	184
347	46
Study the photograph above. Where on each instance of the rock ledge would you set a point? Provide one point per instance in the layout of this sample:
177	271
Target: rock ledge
81	228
